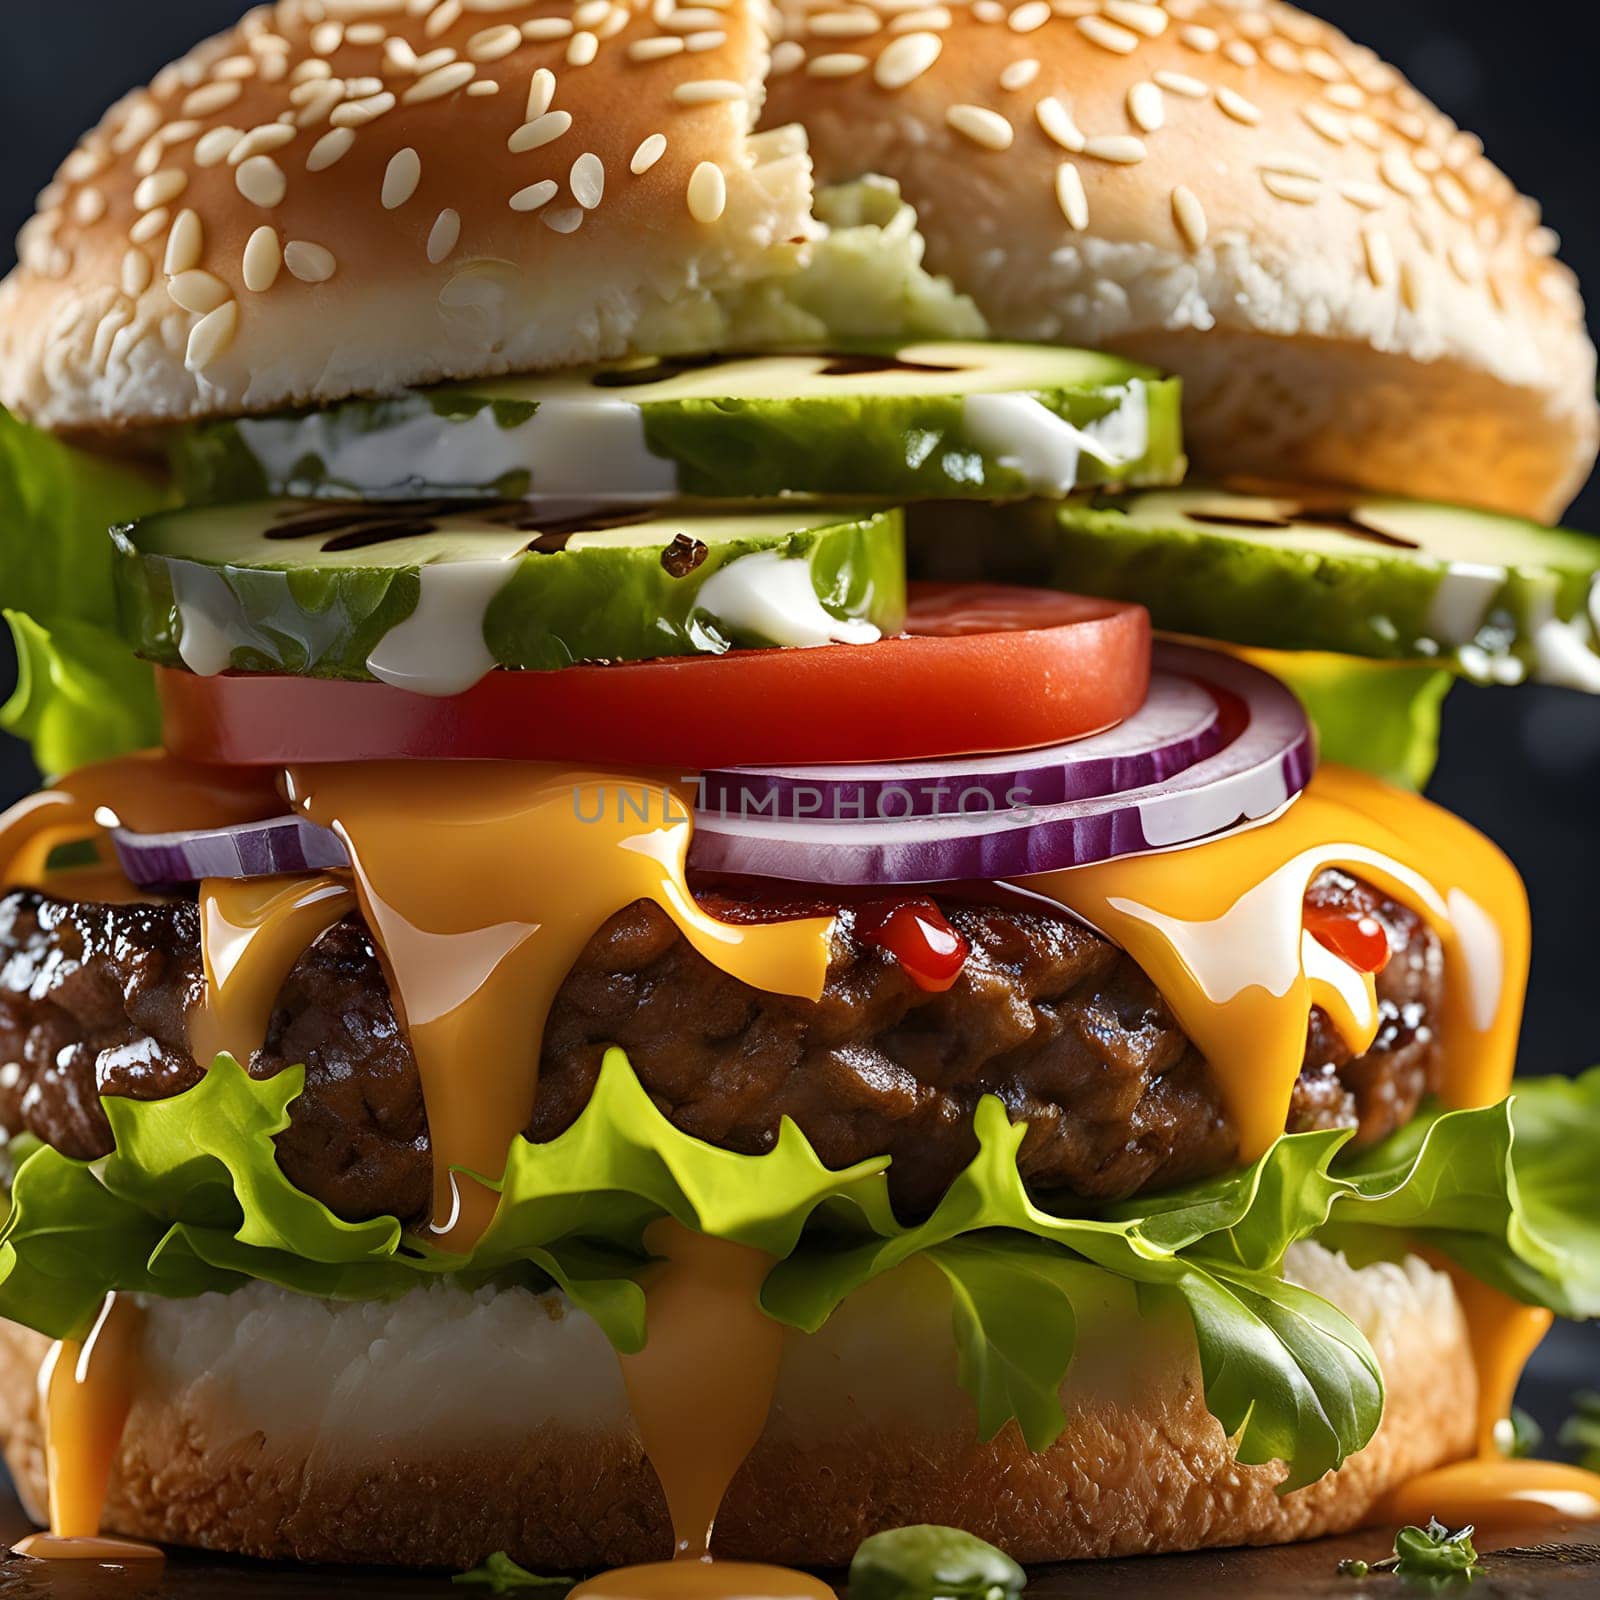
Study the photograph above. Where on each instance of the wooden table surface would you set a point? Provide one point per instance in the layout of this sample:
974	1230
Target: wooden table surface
1560	1561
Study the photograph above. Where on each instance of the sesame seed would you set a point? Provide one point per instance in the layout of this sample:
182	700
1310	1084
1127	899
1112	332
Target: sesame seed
591	13
707	192
587	180
1452	196
841	64
111	324
710	39
160	188
1296	166
1254	24
1189	216
1544	242
263	260
1413	283
365	34
711	91
649	152
211	97
1281	55
1018	74
1029	17
1121	41
309	71
686	19
197	292
1367	131
567	220
358	113
658	47
1240	53
1121	149
261	181
1056	121
1320	64
844	25
89	206
482	89
326	37
185	244
1074	203
541	91
541	131
398	55
443	19
988	10
1234	104
136	272
582	49
936	18
330	148
1150	20
1396	170
83	164
321	103
442	57
981	125
1146	109
787	56
904	59
259	141
1328	123
444	236
362	88
1465	261
310	263
1382	267
150	225
1346	95
212	336
545	29
492	44
400	178
1181	83
235	67
535	195
1289	186
440	82
1204	40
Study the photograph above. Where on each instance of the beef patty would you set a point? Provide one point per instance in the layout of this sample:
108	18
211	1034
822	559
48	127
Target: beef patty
1049	1016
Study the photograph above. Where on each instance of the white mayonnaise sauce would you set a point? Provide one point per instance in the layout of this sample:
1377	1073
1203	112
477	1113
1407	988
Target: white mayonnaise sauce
771	596
210	619
1462	600
568	447
1026	436
1567	654
439	649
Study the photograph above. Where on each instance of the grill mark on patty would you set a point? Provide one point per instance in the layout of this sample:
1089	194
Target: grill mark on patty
1048	1015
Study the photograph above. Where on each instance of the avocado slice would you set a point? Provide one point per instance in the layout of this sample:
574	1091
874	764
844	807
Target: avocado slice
873	422
433	594
1496	598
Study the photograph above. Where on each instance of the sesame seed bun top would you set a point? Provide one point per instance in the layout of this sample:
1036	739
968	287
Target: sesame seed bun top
1234	191
345	196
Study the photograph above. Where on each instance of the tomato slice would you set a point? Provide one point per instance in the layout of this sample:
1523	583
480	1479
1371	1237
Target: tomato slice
980	668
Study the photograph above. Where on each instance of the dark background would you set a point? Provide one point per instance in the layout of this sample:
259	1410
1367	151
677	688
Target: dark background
1522	764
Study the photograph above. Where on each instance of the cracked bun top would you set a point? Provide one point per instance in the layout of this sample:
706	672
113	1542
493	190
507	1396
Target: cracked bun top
345	196
1234	191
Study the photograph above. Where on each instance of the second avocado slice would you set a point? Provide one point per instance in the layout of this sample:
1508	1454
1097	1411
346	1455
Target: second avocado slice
924	421
431	595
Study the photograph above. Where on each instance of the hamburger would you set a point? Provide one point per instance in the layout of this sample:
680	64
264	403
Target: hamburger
736	703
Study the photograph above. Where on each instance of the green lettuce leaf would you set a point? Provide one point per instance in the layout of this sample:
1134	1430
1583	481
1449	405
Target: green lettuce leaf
192	1201
82	696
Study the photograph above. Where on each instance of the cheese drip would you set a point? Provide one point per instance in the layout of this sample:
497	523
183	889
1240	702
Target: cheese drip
481	883
86	1388
149	793
1488	1490
1218	928
700	1391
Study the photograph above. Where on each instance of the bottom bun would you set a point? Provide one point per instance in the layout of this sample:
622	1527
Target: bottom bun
435	1429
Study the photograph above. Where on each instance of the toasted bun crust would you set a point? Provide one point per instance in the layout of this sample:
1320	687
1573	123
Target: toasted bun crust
448	1425
334	198
1236	192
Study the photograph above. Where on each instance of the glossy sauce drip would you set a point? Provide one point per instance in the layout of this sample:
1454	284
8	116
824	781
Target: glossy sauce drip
916	933
700	1391
252	931
1218	926
85	1390
1490	1491
149	793
481	883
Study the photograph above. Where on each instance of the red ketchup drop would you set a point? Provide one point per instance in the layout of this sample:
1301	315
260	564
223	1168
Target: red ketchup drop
916	934
1356	937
